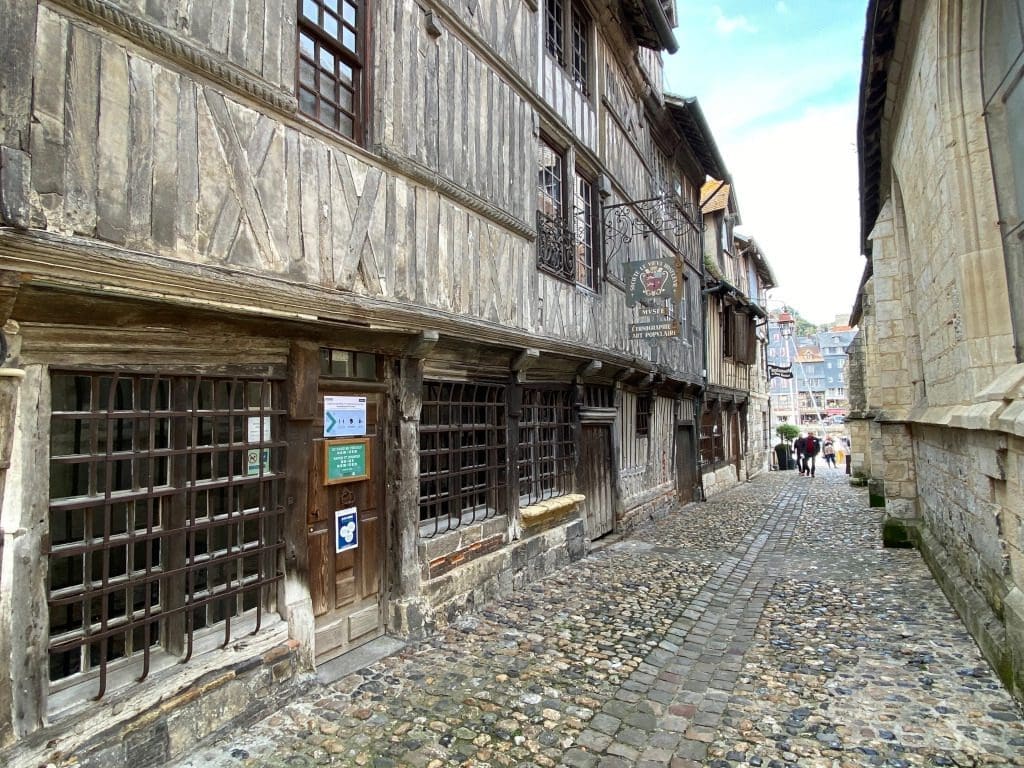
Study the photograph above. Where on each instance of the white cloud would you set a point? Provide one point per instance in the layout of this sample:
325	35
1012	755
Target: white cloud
797	186
726	25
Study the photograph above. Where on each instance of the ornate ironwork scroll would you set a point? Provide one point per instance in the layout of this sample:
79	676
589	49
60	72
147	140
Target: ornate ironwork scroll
677	222
557	245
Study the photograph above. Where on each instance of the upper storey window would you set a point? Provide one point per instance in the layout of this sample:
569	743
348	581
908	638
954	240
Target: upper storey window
332	54
567	39
565	219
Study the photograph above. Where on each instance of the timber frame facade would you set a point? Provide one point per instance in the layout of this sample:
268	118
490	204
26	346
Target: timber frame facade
735	440
316	329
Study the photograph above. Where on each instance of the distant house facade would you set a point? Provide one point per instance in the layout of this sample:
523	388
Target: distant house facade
735	443
937	371
297	355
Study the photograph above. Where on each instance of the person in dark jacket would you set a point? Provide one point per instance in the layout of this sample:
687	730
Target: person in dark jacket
812	447
798	449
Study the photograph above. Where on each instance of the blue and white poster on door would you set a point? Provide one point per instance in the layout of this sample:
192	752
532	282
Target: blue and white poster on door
344	416
346	529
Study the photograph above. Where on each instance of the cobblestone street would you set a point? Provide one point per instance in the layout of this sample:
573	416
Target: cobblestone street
766	627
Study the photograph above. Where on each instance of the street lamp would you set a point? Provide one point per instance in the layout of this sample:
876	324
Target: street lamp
786	325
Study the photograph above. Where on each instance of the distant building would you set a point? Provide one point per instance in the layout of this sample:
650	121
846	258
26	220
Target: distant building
818	364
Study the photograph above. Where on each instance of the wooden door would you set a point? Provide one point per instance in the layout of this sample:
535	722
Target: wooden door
346	587
686	463
596	479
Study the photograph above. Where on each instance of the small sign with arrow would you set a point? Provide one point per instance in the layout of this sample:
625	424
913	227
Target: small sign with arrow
344	416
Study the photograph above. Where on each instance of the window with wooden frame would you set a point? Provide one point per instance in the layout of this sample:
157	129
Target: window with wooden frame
712	438
164	519
332	64
566	229
546	449
727	321
463	455
567	39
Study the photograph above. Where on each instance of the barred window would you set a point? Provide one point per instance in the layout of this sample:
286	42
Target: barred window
463	454
165	507
643	415
332	50
546	446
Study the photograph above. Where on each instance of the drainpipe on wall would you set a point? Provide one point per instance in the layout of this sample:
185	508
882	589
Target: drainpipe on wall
698	417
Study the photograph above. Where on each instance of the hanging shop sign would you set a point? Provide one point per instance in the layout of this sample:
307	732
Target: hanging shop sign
780	371
346	460
652	280
346	529
344	416
657	330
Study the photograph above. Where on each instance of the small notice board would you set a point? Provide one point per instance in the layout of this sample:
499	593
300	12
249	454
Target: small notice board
346	460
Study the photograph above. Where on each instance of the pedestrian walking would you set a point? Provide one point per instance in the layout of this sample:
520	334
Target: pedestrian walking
812	447
798	449
828	450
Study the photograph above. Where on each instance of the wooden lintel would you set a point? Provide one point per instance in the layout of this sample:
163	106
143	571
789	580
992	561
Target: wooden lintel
589	368
624	374
421	346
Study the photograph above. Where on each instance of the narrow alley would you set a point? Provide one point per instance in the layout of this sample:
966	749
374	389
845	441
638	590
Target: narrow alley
765	627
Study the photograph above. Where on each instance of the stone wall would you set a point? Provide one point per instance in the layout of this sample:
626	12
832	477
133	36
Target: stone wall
249	680
936	392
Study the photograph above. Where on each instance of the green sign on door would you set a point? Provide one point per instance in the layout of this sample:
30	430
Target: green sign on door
346	460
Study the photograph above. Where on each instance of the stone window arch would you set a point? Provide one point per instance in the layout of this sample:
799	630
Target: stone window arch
1002	80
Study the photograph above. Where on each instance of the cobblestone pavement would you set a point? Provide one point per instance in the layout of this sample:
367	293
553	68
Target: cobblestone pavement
766	627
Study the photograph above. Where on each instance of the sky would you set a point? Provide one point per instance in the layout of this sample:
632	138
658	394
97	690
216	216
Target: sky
778	82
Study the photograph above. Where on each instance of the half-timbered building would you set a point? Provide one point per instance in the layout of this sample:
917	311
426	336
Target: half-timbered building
735	435
323	320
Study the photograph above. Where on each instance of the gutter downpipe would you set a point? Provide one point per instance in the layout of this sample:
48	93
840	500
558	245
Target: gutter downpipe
698	419
657	15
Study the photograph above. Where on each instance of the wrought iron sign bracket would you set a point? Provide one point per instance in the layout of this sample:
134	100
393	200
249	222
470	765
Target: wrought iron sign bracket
665	217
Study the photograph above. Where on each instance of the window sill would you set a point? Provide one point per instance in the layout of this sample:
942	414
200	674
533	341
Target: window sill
550	510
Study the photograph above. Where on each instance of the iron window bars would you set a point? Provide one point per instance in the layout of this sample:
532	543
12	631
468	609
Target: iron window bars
546	450
164	518
463	454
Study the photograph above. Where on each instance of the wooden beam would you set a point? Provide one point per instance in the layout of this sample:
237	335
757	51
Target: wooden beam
589	369
422	345
524	360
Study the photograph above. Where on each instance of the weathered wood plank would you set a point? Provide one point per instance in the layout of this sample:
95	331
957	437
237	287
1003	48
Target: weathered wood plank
113	145
324	230
297	266
16	34
140	157
165	160
309	205
47	133
187	178
273	34
431	125
81	128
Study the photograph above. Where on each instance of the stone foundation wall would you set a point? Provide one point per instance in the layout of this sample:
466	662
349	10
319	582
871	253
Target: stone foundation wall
720	479
146	728
470	567
653	506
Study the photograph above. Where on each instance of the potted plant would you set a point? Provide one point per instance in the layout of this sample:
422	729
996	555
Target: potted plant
784	450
